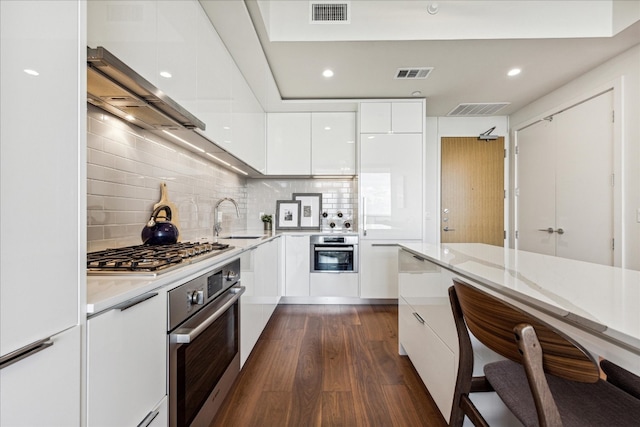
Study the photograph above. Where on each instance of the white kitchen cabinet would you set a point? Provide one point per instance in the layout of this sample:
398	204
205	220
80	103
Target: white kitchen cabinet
392	117
42	217
333	148
378	269
159	416
260	276
297	265
129	30
127	361
177	54
267	262
426	330
333	284
289	143
248	124
44	388
213	83
391	186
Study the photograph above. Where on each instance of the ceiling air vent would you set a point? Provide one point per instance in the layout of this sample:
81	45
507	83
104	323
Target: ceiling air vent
477	109
330	13
413	73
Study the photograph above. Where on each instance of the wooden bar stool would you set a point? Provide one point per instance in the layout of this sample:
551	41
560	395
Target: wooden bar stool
548	379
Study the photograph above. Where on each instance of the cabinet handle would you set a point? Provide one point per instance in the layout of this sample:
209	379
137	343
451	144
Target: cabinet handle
384	245
364	216
128	304
24	352
417	316
419	258
149	418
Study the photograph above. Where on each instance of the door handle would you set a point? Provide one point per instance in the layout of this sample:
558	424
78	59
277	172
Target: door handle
560	231
448	229
548	230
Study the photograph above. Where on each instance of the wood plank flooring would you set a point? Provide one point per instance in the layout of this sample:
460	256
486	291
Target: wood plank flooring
329	365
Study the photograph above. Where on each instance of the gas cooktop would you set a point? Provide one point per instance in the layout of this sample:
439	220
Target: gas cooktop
150	260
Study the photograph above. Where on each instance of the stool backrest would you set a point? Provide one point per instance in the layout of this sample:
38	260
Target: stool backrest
492	321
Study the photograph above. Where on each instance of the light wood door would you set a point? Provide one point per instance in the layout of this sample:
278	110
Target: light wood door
472	195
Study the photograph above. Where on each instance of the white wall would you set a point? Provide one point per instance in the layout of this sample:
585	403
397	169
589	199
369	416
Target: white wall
624	68
436	129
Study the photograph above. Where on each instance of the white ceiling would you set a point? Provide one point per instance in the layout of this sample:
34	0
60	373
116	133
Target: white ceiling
470	44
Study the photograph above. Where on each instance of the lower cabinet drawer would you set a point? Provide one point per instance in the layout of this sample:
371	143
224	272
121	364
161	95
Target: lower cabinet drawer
334	285
433	359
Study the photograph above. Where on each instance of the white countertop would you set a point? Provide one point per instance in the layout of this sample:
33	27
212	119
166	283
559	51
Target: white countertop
104	292
604	300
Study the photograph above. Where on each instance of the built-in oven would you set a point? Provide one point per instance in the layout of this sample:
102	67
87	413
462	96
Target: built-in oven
204	337
334	253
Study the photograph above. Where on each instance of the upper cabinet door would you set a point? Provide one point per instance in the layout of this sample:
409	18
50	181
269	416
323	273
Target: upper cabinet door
177	51
128	29
213	83
333	148
391	186
406	117
42	164
391	117
289	143
375	117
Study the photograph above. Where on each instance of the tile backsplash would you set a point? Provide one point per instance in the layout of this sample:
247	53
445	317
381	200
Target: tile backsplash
338	196
126	166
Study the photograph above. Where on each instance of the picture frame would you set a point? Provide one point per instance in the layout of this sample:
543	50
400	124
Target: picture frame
310	210
288	214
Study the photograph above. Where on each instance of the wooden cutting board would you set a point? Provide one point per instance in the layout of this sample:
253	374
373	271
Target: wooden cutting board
164	200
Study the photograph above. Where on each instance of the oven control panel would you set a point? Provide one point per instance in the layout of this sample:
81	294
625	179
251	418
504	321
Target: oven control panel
190	297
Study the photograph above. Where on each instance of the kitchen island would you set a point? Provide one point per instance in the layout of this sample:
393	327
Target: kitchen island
596	305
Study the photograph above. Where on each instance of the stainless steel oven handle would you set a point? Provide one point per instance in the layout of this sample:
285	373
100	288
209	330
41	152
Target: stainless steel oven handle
334	249
184	337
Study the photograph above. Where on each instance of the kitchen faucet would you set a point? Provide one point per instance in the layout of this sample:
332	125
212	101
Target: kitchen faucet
217	226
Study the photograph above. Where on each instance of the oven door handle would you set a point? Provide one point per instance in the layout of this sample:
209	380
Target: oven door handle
334	248
187	335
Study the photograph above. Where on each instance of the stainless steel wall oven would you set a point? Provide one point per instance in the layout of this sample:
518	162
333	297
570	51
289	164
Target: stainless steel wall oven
330	253
204	360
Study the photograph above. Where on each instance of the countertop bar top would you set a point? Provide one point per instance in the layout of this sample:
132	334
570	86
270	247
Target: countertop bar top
600	299
104	292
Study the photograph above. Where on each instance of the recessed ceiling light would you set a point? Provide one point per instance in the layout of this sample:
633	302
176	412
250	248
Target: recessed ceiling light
327	73
514	72
327	128
31	72
433	8
166	74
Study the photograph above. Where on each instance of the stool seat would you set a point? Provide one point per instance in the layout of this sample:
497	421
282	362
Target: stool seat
579	404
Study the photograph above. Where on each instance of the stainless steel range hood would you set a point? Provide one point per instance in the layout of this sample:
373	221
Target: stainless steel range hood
116	88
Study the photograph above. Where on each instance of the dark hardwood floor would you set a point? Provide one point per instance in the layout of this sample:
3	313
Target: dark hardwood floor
329	365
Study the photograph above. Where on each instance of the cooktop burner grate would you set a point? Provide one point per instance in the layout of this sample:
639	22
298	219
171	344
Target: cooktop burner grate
148	259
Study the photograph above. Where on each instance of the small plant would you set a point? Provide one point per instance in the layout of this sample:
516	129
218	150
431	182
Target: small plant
267	218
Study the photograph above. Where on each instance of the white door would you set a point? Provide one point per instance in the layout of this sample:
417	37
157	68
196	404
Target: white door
567	164
391	186
536	189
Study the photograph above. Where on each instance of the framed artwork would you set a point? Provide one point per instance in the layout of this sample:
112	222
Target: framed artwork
288	214
310	210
